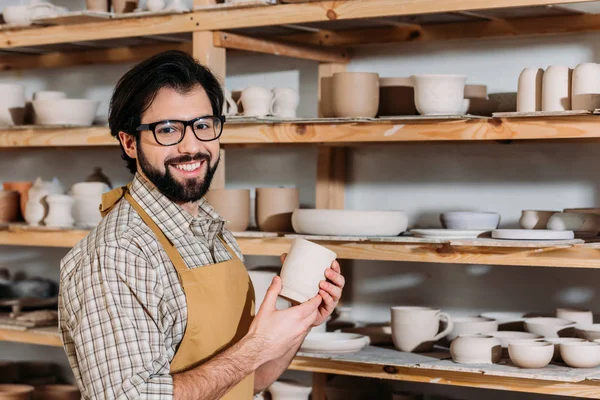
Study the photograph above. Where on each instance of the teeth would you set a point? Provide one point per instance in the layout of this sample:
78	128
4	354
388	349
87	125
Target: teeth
188	167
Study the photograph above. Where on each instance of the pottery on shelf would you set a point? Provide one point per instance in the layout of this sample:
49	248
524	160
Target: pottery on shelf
550	327
396	97
334	342
229	105
580	354
506	337
557	342
98	176
233	205
472	325
289	390
256	101
177	6
556	88
532	234
535	219
345	102
448	233
349	222
467	220
59	211
274	208
416	328
585	91
262	278
9	206
23	188
98	5
303	269
285	102
531	354
15	392
529	92
588	331
36	207
476	349
123	6
439	94
577	315
12	102
157	5
87	197
56	392
326	98
578	222
76	112
17	15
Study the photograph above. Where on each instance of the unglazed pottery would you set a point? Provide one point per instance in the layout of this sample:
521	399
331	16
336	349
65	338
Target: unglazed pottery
274	208
9	206
476	349
396	97
12	103
77	112
585	91
529	92
334	342
303	269
467	220
233	205
531	354
261	280
349	222
346	104
59	211
557	342
17	15
588	331
532	234
36	207
556	88
256	101
288	390
550	327
448	233
577	222
326	99
156	5
472	325
285	102
16	392
56	392
23	188
98	5
416	328
535	219
580	354
439	94
577	315
506	337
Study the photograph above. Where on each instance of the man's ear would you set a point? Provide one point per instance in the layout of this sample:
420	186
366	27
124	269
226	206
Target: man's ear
129	144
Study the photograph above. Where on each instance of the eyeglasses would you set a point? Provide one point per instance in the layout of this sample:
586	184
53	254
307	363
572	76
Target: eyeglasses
172	131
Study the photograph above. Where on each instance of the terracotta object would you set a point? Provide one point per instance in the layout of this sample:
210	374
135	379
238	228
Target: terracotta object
229	105
529	92
550	327
326	100
288	390
476	349
9	206
439	94
233	205
396	97
256	101
23	188
534	219
531	354
76	112
262	278
577	315
12	101
557	342
588	331
468	220
59	211
98	176
303	269
16	392
274	208
334	343
285	102
123	6
580	354
472	325
585	91
349	222
346	104
556	88
416	328
577	222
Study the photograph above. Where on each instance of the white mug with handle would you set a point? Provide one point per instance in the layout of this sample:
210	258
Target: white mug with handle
285	102
416	328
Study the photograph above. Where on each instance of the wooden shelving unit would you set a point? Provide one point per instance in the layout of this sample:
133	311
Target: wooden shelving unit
42	336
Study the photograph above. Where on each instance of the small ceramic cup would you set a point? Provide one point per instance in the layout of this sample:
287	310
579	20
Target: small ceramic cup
529	354
274	208
585	92
416	328
256	101
580	354
440	94
345	102
233	205
529	93
285	102
476	349
579	316
556	88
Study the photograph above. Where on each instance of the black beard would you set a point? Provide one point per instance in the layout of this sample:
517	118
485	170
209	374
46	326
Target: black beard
190	191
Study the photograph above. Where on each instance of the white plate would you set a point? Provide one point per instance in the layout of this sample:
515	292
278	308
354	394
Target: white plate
532	234
349	222
447	233
334	342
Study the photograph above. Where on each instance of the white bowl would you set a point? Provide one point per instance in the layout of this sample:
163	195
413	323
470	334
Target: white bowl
550	327
531	354
588	331
581	354
472	325
439	94
17	15
470	220
506	337
79	112
349	222
558	341
283	389
334	342
476	349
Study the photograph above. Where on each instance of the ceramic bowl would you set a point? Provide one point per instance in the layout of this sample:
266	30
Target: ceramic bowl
476	349
77	112
535	219
580	354
439	94
531	354
588	331
289	390
12	104
550	327
470	220
472	325
557	342
349	222
17	15
578	222
334	342
56	392
16	392
506	337
577	315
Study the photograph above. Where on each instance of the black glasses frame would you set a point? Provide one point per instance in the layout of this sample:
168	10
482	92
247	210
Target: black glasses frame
190	123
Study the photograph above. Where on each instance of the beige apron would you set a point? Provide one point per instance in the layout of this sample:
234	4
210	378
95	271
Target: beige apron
219	298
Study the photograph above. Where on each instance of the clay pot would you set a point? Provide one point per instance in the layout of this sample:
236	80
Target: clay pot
476	349
326	100
59	211
529	92
416	328
56	392
531	354
285	102
396	97
439	94
534	219
12	103
346	104
256	101
123	6
23	188
16	392
233	205
274	208
9	205
580	354
556	88
585	92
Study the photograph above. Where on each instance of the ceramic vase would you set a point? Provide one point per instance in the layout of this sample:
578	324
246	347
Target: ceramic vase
23	188
556	88
256	101
346	104
9	206
303	269
476	349
585	92
233	205
285	102
416	328
439	94
59	211
56	392
12	104
274	208
529	92
396	97
326	98
288	390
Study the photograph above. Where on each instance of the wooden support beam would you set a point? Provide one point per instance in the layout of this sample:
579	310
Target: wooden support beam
331	175
326	70
239	42
319	382
205	51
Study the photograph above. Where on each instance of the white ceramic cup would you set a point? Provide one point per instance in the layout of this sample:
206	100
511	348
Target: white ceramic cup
49	95
585	91
556	88
416	328
439	94
303	269
256	101
529	93
285	102
12	104
576	315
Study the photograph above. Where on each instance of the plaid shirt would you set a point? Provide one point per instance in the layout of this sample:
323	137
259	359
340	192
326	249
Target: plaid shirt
122	310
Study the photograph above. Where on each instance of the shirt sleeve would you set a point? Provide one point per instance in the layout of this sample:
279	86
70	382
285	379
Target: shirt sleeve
111	322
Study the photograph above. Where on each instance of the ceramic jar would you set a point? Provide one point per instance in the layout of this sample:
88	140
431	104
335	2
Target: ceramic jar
529	92
59	211
303	269
16	392
9	206
87	197
416	328
12	104
256	101
585	92
285	102
439	94
556	88
476	349
396	97
534	219
233	205
274	208
346	102
288	390
326	98
56	392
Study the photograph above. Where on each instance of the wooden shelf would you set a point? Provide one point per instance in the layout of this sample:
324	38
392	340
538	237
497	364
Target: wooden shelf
42	336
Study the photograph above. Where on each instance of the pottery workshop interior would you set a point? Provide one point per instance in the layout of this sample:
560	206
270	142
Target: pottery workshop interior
444	153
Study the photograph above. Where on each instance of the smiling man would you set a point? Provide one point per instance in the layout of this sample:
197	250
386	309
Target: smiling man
155	303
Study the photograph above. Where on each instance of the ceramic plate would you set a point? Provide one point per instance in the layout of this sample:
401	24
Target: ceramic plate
334	342
447	233
532	234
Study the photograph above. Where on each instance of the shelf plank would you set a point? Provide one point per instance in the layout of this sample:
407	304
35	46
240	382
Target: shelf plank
57	137
43	336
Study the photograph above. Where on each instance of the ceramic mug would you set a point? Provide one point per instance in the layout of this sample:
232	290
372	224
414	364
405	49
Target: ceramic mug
585	91
256	101
529	92
303	269
440	94
556	88
416	328
274	208
285	102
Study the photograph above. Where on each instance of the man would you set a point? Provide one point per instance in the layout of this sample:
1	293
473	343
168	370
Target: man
155	302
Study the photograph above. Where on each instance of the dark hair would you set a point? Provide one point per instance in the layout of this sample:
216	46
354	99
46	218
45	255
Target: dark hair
137	89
